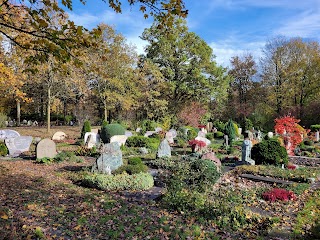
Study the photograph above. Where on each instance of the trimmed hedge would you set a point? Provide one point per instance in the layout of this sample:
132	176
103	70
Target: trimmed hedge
110	130
269	152
140	181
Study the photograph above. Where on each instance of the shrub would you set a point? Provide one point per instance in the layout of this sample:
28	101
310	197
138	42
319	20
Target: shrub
3	149
248	125
3	119
67	156
219	125
110	130
134	161
85	128
308	143
140	181
230	130
84	151
153	143
278	194
218	134
269	152
192	133
131	169
315	127
210	136
196	144
137	141
204	172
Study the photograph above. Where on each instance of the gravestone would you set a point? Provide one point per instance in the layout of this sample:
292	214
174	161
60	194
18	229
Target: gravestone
92	141
201	134
270	134
158	129
8	133
259	136
35	124
110	159
246	152
239	131
169	137
29	123
173	132
95	130
317	136
138	129
121	139
46	148
24	122
58	136
149	133
164	149
211	156
128	133
18	145
209	126
226	140
203	139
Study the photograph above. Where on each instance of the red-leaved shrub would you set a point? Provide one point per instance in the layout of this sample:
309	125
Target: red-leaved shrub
278	194
196	144
291	167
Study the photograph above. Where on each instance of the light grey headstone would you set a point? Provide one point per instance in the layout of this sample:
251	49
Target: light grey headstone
246	152
6	123
46	148
29	123
164	149
110	159
270	134
10	123
203	139
226	140
201	134
95	130
93	140
58	136
239	131
128	133
317	136
8	133
173	132
158	129
149	133
18	145
121	139
169	137
24	122
138	129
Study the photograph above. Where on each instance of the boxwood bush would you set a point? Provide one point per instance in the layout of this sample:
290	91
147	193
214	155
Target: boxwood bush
140	181
107	131
3	149
269	152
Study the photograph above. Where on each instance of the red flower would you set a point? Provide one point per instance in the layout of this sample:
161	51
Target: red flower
278	194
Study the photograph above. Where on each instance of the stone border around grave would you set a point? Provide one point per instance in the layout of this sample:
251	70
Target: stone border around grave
305	161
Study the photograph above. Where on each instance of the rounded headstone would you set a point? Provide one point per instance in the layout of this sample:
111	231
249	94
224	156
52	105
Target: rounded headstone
46	148
58	136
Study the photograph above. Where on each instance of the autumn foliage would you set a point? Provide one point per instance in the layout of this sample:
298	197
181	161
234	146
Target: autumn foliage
192	114
197	144
291	132
278	194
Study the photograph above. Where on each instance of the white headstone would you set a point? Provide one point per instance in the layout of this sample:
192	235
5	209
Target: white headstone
18	145
46	148
138	129
121	139
29	123
174	133
93	141
128	133
169	137
201	134
203	139
239	131
95	130
158	129
270	134
58	136
8	133
317	136
149	133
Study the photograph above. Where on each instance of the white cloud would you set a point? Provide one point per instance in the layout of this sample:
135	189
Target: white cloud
224	50
306	25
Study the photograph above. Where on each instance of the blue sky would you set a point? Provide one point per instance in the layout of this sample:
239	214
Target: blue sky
230	27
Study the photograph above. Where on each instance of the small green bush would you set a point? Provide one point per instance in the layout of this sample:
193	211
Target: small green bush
210	136
134	161
67	156
218	134
140	181
3	149
85	128
3	119
153	144
131	169
204	172
308	142
84	151
192	133
269	152
110	130
137	141
315	127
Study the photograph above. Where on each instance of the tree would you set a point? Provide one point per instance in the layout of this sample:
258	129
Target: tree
186	62
243	68
32	18
111	71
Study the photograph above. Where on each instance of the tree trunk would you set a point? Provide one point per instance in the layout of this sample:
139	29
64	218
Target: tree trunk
48	109
18	113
